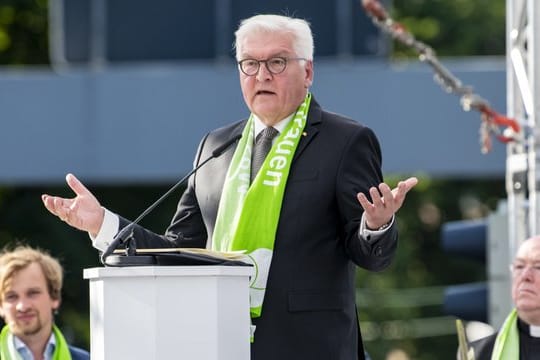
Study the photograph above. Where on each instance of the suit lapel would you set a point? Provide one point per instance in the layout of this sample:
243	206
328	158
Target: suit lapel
311	129
229	153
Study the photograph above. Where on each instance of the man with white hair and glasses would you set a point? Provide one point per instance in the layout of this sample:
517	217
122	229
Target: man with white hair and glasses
519	336
301	193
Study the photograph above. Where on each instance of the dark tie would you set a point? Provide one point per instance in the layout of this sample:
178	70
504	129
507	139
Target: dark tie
263	144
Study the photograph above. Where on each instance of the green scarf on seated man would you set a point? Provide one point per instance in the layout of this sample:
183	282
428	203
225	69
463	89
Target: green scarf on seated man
248	214
507	341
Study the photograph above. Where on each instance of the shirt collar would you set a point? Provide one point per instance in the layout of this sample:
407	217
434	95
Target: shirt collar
534	331
531	330
280	126
25	352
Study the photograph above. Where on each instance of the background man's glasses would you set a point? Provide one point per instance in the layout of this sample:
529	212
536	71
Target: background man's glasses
275	65
519	268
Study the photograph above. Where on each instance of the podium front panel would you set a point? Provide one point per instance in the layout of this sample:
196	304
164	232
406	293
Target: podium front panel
169	312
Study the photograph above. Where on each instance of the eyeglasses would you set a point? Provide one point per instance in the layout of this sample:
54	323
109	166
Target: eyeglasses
275	65
519	268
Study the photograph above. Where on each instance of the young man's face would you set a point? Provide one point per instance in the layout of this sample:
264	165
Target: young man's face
26	305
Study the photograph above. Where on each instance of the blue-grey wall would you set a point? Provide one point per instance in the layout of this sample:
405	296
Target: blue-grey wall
143	122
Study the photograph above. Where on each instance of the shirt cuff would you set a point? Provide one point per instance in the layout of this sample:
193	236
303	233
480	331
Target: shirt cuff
109	228
372	235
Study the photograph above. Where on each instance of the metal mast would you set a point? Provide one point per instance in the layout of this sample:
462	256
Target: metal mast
523	91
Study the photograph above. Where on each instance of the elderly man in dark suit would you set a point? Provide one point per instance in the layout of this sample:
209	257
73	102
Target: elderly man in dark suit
306	213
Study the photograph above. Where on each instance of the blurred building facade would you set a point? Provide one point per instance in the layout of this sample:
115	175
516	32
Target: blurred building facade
134	86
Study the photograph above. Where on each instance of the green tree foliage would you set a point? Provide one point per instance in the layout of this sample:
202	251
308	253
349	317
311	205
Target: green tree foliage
453	27
23	32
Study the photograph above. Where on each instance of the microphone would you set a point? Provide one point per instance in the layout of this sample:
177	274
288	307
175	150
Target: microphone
127	232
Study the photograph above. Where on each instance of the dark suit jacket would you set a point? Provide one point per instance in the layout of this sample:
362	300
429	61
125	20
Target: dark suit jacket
78	354
309	307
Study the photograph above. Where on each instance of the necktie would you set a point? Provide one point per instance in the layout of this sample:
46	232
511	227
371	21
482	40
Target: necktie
263	144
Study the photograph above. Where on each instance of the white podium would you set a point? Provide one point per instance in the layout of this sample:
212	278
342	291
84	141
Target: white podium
169	312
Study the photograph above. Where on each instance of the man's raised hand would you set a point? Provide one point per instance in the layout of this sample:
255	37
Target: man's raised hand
83	212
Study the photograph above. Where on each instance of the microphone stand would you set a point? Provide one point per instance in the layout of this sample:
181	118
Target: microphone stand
125	236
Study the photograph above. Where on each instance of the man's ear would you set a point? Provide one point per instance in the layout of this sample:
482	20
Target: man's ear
308	80
56	304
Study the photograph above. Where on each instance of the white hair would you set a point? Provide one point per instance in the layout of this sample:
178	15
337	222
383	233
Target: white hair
298	28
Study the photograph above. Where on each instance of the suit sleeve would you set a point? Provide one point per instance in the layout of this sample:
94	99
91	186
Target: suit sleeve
360	169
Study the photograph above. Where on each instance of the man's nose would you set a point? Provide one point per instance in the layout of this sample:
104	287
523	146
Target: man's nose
528	272
22	305
263	73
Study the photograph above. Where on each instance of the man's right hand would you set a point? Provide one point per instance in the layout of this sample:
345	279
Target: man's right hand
83	212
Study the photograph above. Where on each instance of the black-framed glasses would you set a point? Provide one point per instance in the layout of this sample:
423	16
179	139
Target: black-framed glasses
275	65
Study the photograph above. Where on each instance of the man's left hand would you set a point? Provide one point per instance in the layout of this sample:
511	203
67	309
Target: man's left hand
385	202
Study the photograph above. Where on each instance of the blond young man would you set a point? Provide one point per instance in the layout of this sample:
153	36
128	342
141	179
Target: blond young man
30	294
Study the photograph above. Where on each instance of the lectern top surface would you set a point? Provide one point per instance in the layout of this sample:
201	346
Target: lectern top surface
137	271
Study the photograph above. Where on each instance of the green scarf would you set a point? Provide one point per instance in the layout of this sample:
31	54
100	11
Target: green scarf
248	216
8	351
507	341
